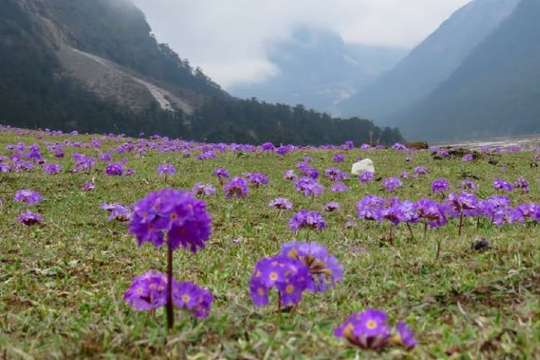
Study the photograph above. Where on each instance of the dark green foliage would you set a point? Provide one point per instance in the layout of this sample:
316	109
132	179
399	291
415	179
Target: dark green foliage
35	91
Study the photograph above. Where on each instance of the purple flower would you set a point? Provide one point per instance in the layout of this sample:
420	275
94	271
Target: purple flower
307	169
30	218
332	206
366	177
334	174
522	183
309	186
325	269
404	175
187	295
200	189
368	330
339	187
370	208
52	169
439	186
338	158
307	219
117	212
468	157
469	185
420	171
173	215
391	184
405	336
464	202
257	179
268	146
83	163
289	175
147	292
114	169
501	185
497	209
431	213
166	169
88	186
281	204
290	277
28	197
221	173
237	187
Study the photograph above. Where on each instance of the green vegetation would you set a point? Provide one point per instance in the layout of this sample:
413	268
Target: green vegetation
61	284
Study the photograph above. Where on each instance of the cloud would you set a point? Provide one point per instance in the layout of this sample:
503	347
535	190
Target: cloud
229	38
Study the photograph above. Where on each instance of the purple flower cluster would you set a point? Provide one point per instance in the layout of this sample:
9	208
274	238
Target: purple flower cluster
281	204
28	197
117	212
202	190
173	216
257	179
440	186
392	184
502	185
166	169
305	219
236	188
298	267
114	169
51	168
150	292
28	217
366	177
370	330
309	186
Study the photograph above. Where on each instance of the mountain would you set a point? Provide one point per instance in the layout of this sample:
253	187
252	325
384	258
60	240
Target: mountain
430	63
494	92
318	69
94	66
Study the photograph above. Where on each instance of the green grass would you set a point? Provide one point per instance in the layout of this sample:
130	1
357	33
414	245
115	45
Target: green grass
61	284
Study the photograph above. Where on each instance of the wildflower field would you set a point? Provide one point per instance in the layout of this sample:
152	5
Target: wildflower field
275	252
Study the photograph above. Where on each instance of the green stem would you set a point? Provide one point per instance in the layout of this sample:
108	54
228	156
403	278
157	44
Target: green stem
170	306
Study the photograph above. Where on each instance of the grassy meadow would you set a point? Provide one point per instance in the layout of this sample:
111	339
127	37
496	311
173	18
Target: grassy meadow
62	282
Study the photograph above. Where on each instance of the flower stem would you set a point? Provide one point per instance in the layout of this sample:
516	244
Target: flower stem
410	231
460	223
170	308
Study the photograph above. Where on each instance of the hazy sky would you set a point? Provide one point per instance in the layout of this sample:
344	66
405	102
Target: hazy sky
229	38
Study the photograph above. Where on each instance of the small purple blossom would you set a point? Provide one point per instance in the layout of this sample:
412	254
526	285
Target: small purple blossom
281	204
201	190
405	336
338	158
51	168
257	179
117	212
166	169
366	177
114	169
339	187
368	330
187	295
147	292
27	196
439	186
420	171
391	184
30	218
522	184
309	186
370	208
307	219
236	188
290	175
502	185
88	186
331	206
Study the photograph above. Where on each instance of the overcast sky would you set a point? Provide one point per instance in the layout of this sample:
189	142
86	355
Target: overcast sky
229	38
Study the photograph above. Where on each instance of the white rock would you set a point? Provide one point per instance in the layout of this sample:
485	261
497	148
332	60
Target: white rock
362	166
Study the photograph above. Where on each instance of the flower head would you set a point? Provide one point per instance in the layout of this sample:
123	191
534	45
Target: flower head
166	169
502	185
257	179
325	270
281	204
237	187
200	189
370	208
290	277
307	219
117	212
331	206
30	218
171	215
52	169
187	295
28	197
366	177
405	336
391	184
368	329
522	184
114	169
309	186
147	292
439	186
221	173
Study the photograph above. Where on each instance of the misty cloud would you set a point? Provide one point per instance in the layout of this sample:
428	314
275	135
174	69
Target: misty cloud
229	39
